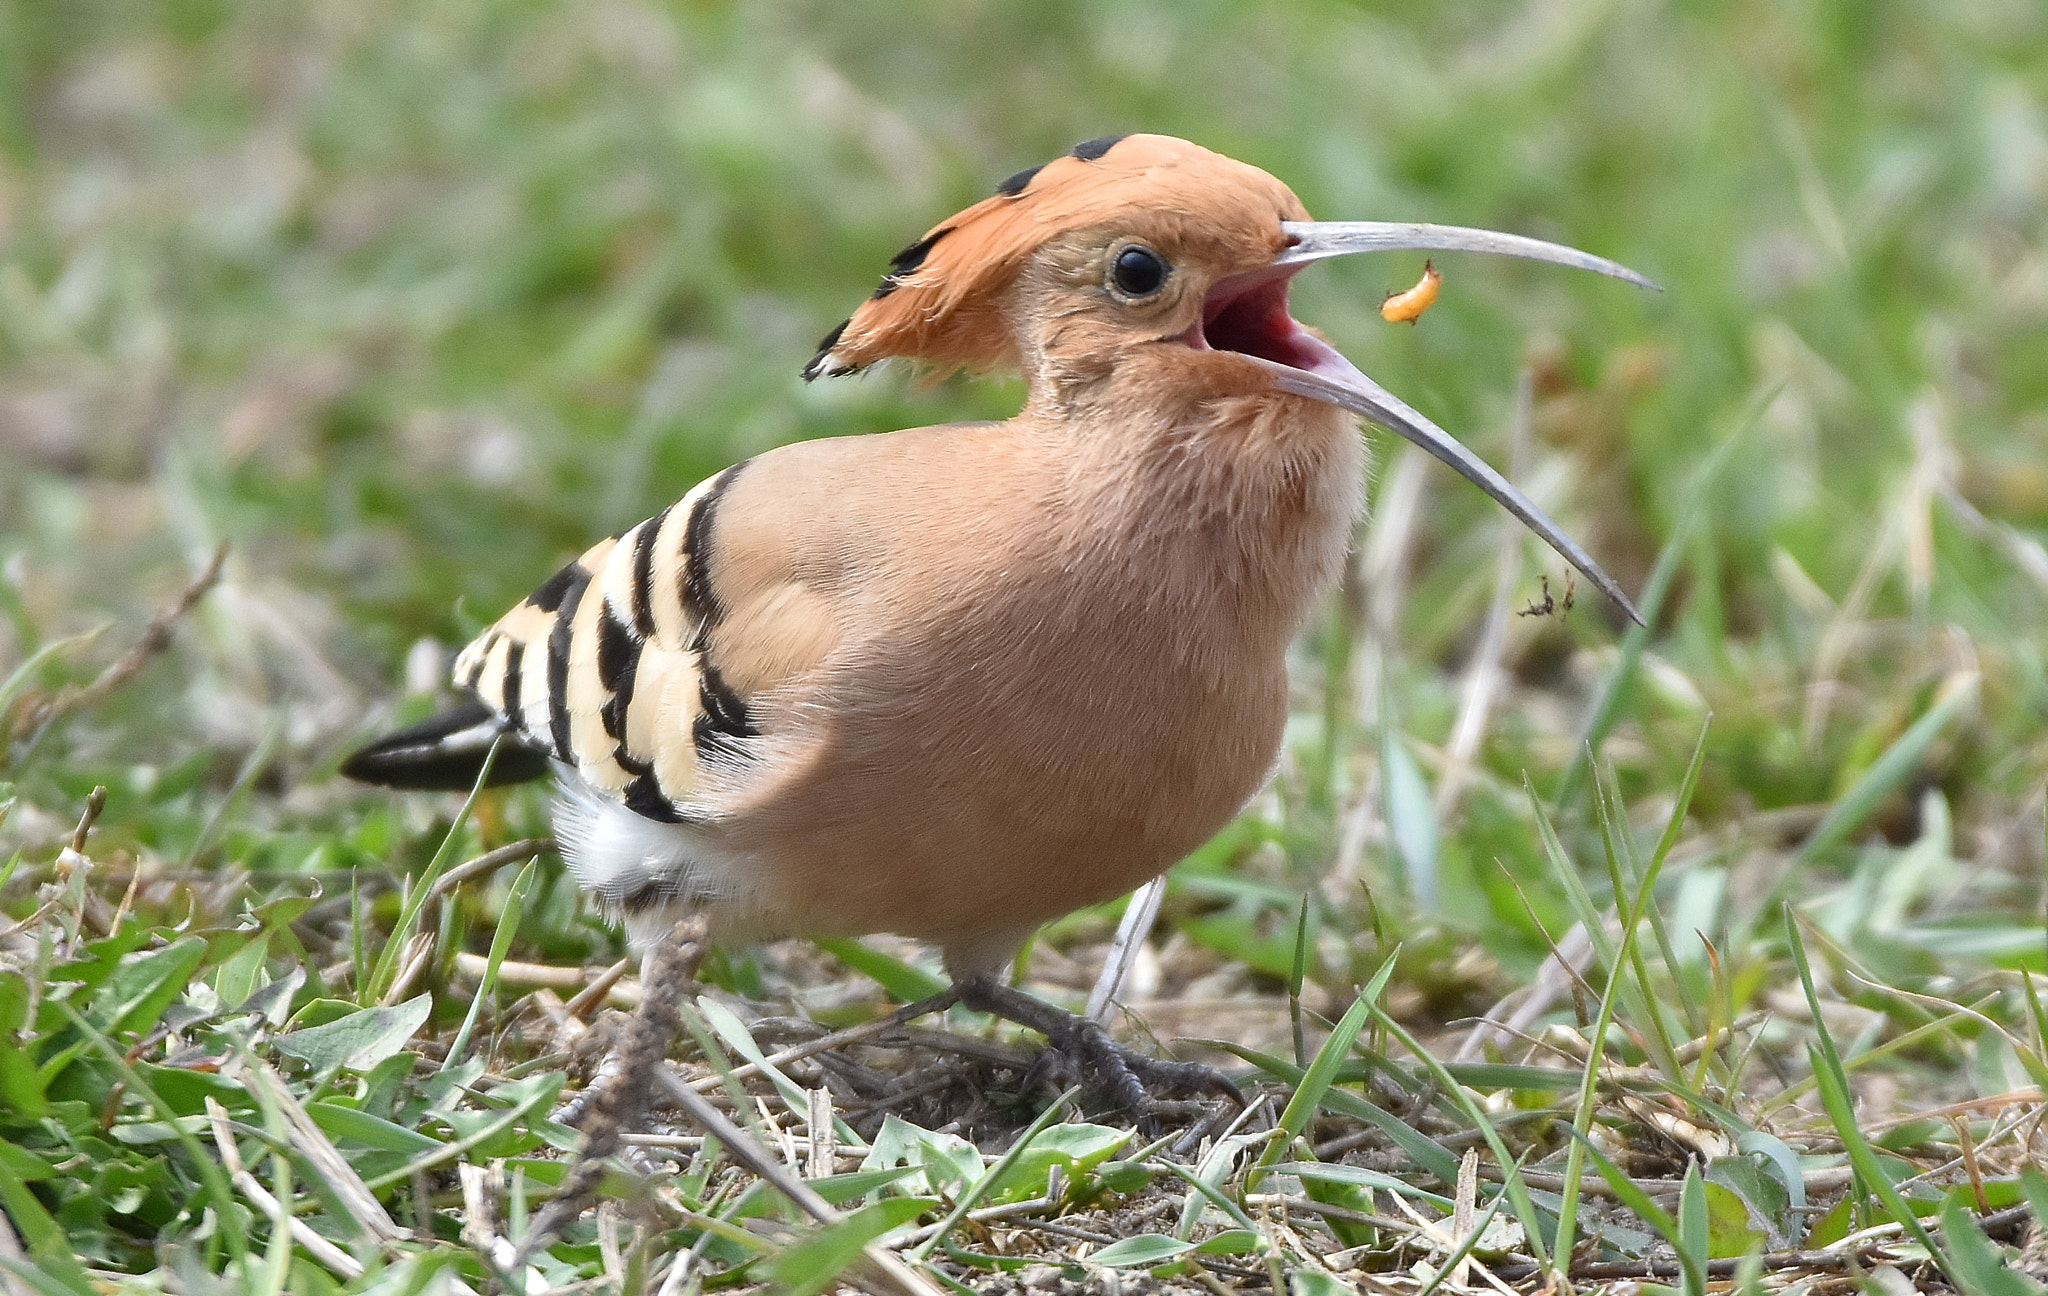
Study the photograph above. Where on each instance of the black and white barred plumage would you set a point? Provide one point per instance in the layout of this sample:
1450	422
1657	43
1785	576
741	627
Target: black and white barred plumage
597	673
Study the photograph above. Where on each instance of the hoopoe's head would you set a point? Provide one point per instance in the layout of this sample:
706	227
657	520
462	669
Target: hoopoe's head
1150	257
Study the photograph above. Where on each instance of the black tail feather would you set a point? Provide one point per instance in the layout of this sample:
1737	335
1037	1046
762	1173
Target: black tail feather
445	753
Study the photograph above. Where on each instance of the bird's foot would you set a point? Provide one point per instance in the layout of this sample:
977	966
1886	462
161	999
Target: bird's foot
1078	1047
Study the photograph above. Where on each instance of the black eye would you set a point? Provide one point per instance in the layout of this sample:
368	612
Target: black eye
1138	272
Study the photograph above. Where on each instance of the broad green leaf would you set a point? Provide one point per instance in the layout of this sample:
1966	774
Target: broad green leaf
1835	1225
2035	1182
273	1002
1127	1177
1782	1160
1760	1196
1732	1228
1351	1197
22	1083
1076	1147
1314	1282
320	1011
953	1163
1141	1250
906	983
15	997
143	985
1980	1266
239	975
360	1040
815	1261
348	1126
946	1163
1230	1242
972	1193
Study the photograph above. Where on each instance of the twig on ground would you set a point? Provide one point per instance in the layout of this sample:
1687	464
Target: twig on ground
826	1043
621	1104
39	714
601	988
512	853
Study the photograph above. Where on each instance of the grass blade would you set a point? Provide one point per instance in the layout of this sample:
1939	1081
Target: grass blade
1976	1264
1631	924
1692	1232
1425	1151
994	1174
1321	1073
501	941
1516	1188
1606	707
1888	771
815	1261
1833	1082
372	990
906	983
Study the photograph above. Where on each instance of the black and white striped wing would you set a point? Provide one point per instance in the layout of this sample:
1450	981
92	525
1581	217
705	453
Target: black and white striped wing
604	669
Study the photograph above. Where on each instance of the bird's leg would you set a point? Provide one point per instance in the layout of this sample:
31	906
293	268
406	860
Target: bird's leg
1128	1075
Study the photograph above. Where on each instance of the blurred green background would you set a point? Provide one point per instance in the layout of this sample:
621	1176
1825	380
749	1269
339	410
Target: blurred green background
410	301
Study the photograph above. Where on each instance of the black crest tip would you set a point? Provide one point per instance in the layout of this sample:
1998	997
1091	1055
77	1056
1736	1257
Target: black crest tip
1092	150
1015	184
821	365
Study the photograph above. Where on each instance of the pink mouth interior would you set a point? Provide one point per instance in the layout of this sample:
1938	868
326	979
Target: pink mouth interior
1248	314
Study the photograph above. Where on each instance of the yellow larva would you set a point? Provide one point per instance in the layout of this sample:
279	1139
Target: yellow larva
1408	306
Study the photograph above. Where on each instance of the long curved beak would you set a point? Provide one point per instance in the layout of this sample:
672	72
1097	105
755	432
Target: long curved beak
1327	376
1319	240
1350	389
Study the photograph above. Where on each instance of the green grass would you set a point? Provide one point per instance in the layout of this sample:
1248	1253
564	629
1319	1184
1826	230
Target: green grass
407	303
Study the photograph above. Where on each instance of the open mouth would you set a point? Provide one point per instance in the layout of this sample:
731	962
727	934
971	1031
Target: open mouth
1248	314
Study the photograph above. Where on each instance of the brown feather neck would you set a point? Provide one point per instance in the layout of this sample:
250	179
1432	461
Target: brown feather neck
1234	512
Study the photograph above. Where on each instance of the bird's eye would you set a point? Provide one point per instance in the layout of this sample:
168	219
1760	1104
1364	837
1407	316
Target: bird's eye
1138	272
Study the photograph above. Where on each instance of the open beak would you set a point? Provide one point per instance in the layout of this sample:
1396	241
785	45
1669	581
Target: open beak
1318	240
1247	314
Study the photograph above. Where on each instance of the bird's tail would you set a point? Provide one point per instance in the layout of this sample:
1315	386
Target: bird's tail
446	753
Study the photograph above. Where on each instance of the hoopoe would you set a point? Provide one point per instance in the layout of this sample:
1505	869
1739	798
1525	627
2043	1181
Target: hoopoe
954	682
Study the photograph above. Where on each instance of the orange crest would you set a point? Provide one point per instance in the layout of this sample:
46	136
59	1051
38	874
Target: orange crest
945	298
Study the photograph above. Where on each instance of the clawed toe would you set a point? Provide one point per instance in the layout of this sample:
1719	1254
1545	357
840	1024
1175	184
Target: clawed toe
1078	1050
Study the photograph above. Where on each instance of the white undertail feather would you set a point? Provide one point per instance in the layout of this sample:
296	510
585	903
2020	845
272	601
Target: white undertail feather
617	854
